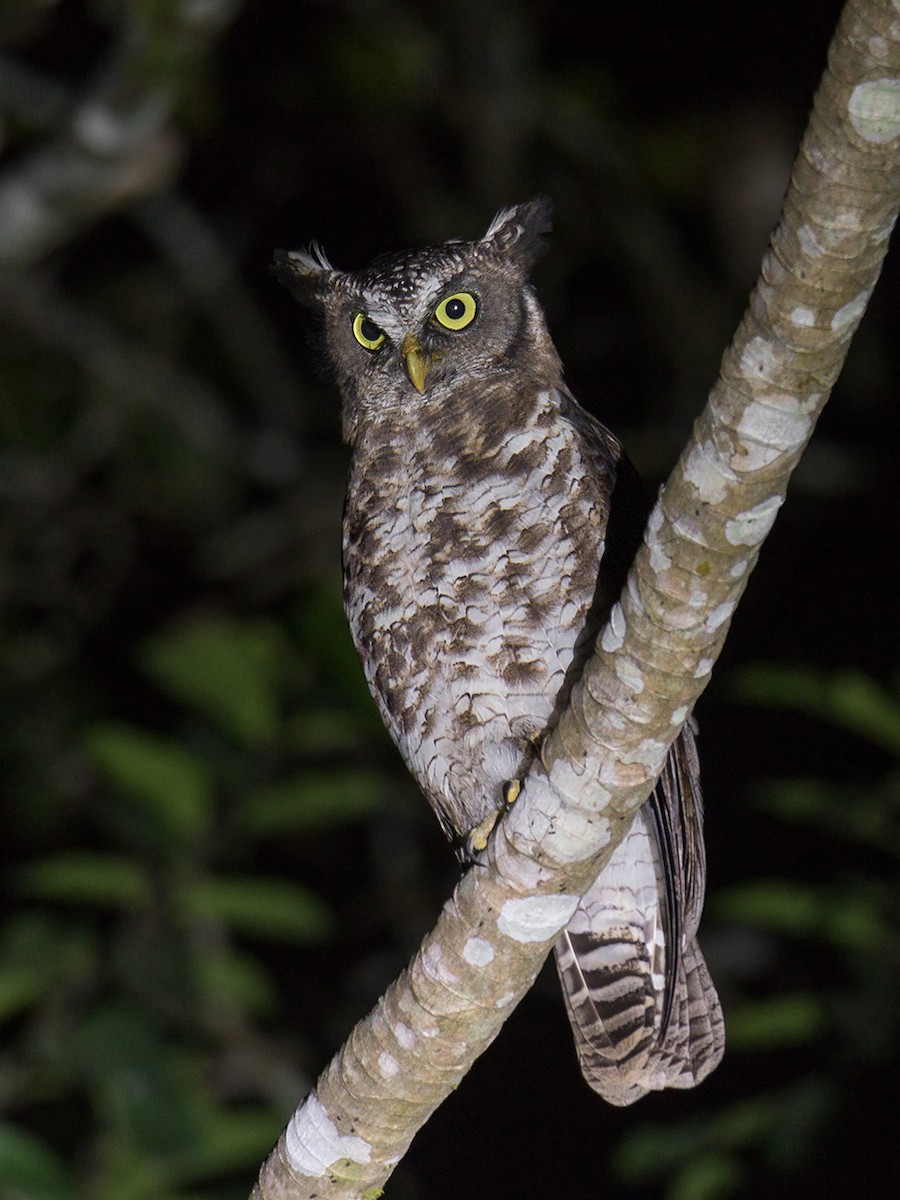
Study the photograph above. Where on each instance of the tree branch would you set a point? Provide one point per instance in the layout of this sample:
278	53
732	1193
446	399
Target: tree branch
655	655
117	143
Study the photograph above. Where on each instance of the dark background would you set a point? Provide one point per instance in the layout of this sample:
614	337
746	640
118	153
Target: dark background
213	861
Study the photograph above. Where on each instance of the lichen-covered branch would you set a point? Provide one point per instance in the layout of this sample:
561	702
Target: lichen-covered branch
654	657
117	142
115	146
721	500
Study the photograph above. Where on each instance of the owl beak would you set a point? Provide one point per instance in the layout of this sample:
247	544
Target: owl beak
415	361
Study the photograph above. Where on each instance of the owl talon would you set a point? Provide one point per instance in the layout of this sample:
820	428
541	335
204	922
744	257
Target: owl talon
477	838
511	790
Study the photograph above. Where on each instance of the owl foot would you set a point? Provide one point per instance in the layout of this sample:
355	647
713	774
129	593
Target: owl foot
477	837
511	790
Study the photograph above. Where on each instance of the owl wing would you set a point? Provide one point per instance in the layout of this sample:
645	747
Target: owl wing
642	1006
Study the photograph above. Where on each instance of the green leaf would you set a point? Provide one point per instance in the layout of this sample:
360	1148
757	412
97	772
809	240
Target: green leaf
20	987
41	955
846	916
104	880
866	813
648	1150
855	922
29	946
226	669
261	908
231	1141
30	1169
743	1123
810	802
863	706
326	731
312	800
142	1094
782	1021
707	1177
847	698
792	908
172	787
236	980
700	1154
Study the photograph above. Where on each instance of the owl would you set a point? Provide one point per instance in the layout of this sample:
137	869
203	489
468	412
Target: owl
488	528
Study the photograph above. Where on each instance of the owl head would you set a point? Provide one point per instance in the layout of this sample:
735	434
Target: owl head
412	327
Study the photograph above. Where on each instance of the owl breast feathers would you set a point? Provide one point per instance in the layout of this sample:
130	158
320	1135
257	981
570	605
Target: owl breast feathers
488	527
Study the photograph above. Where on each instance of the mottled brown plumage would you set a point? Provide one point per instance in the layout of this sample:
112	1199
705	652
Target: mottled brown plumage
477	573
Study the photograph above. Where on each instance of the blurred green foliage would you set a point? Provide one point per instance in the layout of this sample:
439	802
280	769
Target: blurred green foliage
853	1022
128	981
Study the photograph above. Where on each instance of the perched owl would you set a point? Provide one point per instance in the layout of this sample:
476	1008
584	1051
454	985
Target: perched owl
488	527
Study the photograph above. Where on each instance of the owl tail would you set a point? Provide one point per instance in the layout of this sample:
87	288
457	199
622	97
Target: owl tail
641	1023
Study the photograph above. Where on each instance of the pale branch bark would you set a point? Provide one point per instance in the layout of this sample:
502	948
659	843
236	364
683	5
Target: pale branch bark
113	145
655	655
117	142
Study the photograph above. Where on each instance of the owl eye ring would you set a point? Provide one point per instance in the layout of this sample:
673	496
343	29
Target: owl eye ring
456	311
367	333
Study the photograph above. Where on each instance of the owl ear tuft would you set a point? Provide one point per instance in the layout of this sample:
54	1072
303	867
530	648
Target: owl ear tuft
306	273
520	231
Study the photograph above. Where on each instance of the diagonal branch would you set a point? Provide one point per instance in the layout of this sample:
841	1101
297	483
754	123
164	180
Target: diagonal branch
655	655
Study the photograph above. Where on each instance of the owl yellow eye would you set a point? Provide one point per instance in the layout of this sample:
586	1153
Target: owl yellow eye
367	332
457	311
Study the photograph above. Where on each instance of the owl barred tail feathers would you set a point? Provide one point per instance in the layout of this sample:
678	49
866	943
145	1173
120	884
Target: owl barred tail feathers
643	1009
477	485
